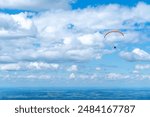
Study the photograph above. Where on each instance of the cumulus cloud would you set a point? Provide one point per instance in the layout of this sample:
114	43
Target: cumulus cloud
36	41
9	67
136	55
70	35
142	67
6	59
98	68
35	5
35	76
114	76
41	66
145	77
90	38
73	68
29	66
72	76
17	26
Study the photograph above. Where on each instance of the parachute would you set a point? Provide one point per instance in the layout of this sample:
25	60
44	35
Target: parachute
114	31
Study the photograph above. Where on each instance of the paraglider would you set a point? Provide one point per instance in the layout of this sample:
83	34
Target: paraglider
114	31
115	47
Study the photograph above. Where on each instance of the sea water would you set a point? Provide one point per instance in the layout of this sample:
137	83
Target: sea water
74	94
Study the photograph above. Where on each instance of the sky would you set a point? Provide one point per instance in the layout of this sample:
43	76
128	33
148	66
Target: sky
61	43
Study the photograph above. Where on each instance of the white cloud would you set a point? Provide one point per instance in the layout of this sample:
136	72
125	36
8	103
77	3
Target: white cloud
22	20
5	59
90	39
9	67
17	26
98	68
136	55
84	76
35	76
114	76
41	66
35	5
94	76
80	54
46	36
145	77
142	13
135	71
29	66
72	76
142	67
73	68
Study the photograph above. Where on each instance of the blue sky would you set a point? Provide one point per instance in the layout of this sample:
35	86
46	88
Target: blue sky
93	3
61	43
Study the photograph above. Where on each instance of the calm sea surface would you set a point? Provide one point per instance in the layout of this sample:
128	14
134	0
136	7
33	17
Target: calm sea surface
73	94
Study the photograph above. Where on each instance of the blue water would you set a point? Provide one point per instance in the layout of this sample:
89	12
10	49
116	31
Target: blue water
73	94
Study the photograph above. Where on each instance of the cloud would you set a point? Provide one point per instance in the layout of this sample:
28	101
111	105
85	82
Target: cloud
17	26
42	66
91	39
10	67
68	35
35	76
43	41
145	77
6	59
135	71
142	67
115	76
29	66
136	55
72	76
98	68
80	54
35	5
73	68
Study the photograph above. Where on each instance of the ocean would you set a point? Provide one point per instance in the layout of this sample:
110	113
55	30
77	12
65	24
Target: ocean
74	94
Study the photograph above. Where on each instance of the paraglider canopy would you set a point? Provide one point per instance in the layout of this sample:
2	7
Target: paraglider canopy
114	31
